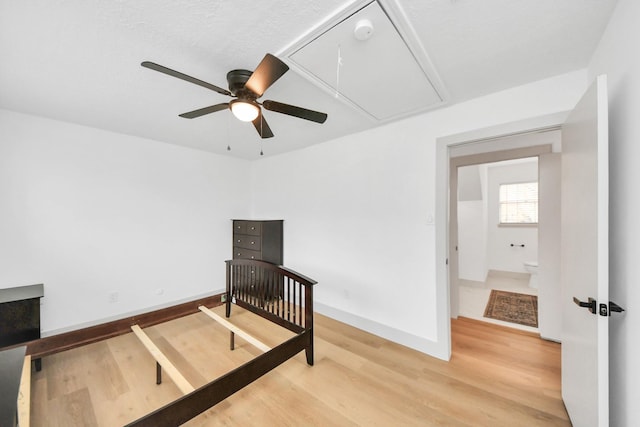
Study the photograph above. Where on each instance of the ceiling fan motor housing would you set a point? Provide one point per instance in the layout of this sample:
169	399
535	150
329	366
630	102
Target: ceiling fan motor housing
237	80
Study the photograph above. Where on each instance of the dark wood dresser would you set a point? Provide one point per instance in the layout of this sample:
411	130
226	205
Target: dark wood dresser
260	240
20	316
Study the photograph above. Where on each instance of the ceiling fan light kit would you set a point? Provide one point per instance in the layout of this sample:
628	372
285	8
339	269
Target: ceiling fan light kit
246	111
246	87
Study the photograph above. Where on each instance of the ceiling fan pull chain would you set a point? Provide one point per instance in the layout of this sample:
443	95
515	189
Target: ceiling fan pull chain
228	134
261	122
338	65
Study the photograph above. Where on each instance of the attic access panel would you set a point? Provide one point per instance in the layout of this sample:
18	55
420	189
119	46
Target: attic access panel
380	75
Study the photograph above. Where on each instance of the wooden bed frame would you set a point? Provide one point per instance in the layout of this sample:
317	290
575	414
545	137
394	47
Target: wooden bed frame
273	292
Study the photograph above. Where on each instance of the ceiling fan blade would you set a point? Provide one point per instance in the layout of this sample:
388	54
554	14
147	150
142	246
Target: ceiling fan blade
262	127
266	73
173	73
206	110
294	111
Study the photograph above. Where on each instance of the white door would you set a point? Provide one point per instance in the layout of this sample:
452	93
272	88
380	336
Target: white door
585	263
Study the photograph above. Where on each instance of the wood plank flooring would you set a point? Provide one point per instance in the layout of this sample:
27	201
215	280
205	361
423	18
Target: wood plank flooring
496	377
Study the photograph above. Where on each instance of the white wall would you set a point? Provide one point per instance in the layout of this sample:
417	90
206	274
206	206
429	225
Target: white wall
617	57
501	255
549	232
472	240
472	236
357	211
469	183
89	213
356	216
482	244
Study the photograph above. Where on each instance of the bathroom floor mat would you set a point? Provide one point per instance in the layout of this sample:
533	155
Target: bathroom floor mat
513	307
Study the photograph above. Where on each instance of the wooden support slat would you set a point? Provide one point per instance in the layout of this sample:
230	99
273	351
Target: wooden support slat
233	328
185	408
24	394
171	370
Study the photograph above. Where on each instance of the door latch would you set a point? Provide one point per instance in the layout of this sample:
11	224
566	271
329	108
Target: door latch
613	307
604	310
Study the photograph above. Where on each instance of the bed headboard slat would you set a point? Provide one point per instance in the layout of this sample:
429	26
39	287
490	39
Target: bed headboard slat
272	291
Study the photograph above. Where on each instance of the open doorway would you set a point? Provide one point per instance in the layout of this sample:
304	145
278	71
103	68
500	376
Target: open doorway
498	242
583	249
506	262
517	135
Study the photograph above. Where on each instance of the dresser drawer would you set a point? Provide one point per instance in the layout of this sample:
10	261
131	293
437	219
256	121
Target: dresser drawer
261	240
247	242
242	253
253	228
240	227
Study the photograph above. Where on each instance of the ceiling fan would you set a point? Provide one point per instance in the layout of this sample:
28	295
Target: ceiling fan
246	87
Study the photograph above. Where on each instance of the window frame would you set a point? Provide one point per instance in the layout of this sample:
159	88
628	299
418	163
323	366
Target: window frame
501	203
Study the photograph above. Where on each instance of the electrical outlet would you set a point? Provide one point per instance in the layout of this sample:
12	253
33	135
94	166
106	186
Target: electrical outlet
223	298
113	297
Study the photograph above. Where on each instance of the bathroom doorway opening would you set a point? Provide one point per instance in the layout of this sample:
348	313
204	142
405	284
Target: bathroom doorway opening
497	206
504	267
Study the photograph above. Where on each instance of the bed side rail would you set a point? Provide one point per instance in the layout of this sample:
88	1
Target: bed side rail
200	400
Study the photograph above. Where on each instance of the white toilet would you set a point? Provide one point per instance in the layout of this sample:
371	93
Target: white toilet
532	269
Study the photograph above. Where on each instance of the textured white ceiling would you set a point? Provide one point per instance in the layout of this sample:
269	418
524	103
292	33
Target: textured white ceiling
79	60
349	67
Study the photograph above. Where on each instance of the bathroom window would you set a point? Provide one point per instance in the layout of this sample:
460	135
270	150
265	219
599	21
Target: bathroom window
519	203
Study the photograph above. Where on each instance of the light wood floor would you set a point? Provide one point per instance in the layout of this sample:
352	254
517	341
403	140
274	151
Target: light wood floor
496	377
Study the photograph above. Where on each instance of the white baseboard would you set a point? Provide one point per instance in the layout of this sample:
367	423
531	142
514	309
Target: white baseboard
471	283
508	274
432	348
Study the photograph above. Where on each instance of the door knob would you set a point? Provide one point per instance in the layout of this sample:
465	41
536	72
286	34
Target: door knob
605	310
592	305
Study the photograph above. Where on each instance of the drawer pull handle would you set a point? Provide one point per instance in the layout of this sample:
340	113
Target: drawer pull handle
239	240
253	243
